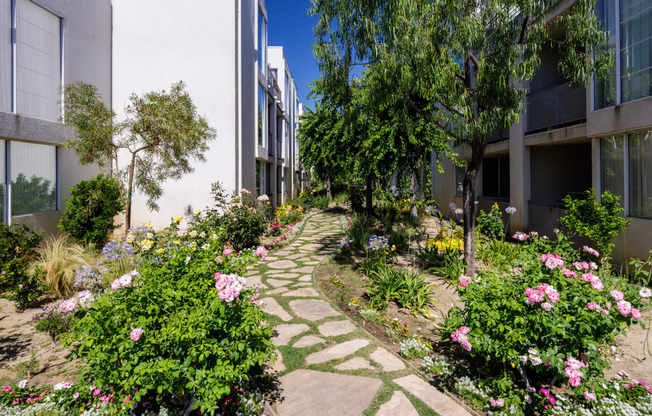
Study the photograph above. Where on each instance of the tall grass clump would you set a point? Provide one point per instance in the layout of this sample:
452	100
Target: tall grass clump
60	259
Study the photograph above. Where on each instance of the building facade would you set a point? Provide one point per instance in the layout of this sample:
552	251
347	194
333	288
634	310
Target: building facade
219	49
572	139
44	44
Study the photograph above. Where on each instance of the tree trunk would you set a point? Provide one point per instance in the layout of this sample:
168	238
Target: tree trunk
329	191
477	151
369	198
130	188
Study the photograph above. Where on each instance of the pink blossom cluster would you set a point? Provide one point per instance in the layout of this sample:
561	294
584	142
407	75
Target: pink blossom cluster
227	251
592	306
464	281
520	236
229	285
496	403
590	397
548	396
124	280
595	280
261	252
625	308
460	336
68	305
181	233
573	372
540	294
552	260
256	294
591	251
135	334
584	265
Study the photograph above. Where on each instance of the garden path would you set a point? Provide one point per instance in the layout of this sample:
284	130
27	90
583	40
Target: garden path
327	364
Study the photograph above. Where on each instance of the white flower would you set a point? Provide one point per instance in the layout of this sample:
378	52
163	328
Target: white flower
22	384
645	292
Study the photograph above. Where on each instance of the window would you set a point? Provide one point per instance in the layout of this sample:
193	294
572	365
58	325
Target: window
261	114
626	170
262	40
5	56
287	142
612	166
630	26
33	178
495	177
640	174
460	171
260	178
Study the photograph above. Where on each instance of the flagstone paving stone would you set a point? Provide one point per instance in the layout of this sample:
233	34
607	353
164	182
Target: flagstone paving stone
284	275
387	360
282	264
336	351
306	269
278	283
435	399
399	404
277	291
278	365
285	332
308	341
307	278
312	309
305	292
316	393
272	306
335	328
294	256
356	363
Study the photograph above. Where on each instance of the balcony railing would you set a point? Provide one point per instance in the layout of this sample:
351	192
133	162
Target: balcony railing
554	106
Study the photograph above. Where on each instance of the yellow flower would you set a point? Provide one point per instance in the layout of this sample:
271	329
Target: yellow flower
160	251
178	219
146	244
130	239
193	233
430	243
177	242
149	235
148	224
197	212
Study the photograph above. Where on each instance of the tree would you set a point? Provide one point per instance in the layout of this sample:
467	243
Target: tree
460	63
162	133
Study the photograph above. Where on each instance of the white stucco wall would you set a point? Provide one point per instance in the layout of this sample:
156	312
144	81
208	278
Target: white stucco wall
159	42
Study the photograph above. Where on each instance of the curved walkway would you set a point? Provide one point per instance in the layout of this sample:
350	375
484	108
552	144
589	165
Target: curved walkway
328	366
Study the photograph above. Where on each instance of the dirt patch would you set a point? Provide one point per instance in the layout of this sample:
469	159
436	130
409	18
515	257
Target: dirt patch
24	350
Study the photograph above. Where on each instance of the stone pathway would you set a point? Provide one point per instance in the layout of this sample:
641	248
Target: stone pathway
326	363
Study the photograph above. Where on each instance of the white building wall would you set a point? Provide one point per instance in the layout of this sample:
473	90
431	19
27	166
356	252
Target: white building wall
159	42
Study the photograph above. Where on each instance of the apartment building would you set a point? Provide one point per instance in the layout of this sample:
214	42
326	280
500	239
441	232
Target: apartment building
44	44
572	139
243	88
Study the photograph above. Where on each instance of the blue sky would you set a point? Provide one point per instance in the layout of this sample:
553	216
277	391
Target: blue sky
290	26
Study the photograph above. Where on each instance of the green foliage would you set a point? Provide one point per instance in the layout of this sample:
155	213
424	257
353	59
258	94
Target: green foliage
176	284
405	286
545	313
53	322
242	225
29	289
443	256
162	132
17	244
600	221
289	214
398	240
90	210
491	224
498	254
359	230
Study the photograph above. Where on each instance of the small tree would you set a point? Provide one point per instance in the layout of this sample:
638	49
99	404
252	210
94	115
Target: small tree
599	221
162	133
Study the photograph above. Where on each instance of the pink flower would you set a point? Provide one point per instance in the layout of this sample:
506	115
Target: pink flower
575	381
75	395
496	403
546	306
597	284
227	251
465	330
617	295
570	273
261	252
553	296
181	233
464	281
136	334
21	384
590	396
68	305
636	314
588	277
97	392
624	307
591	306
6	388
591	251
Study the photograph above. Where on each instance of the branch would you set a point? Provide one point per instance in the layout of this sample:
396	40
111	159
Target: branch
523	29
441	125
474	59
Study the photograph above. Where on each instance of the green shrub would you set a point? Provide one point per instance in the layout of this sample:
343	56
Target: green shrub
30	286
398	240
356	196
341	198
388	215
91	208
53	322
17	245
404	286
176	330
498	254
359	230
600	221
242	225
491	224
321	202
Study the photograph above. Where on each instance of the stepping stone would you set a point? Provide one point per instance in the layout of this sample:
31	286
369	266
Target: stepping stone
306	292
278	283
251	272
282	264
311	247
286	332
311	262
302	285
276	366
308	392
399	404
336	351
312	309
294	256
277	291
335	328
387	360
283	253
284	275
271	258
307	269
306	278
255	280
356	363
436	400
272	307
308	341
